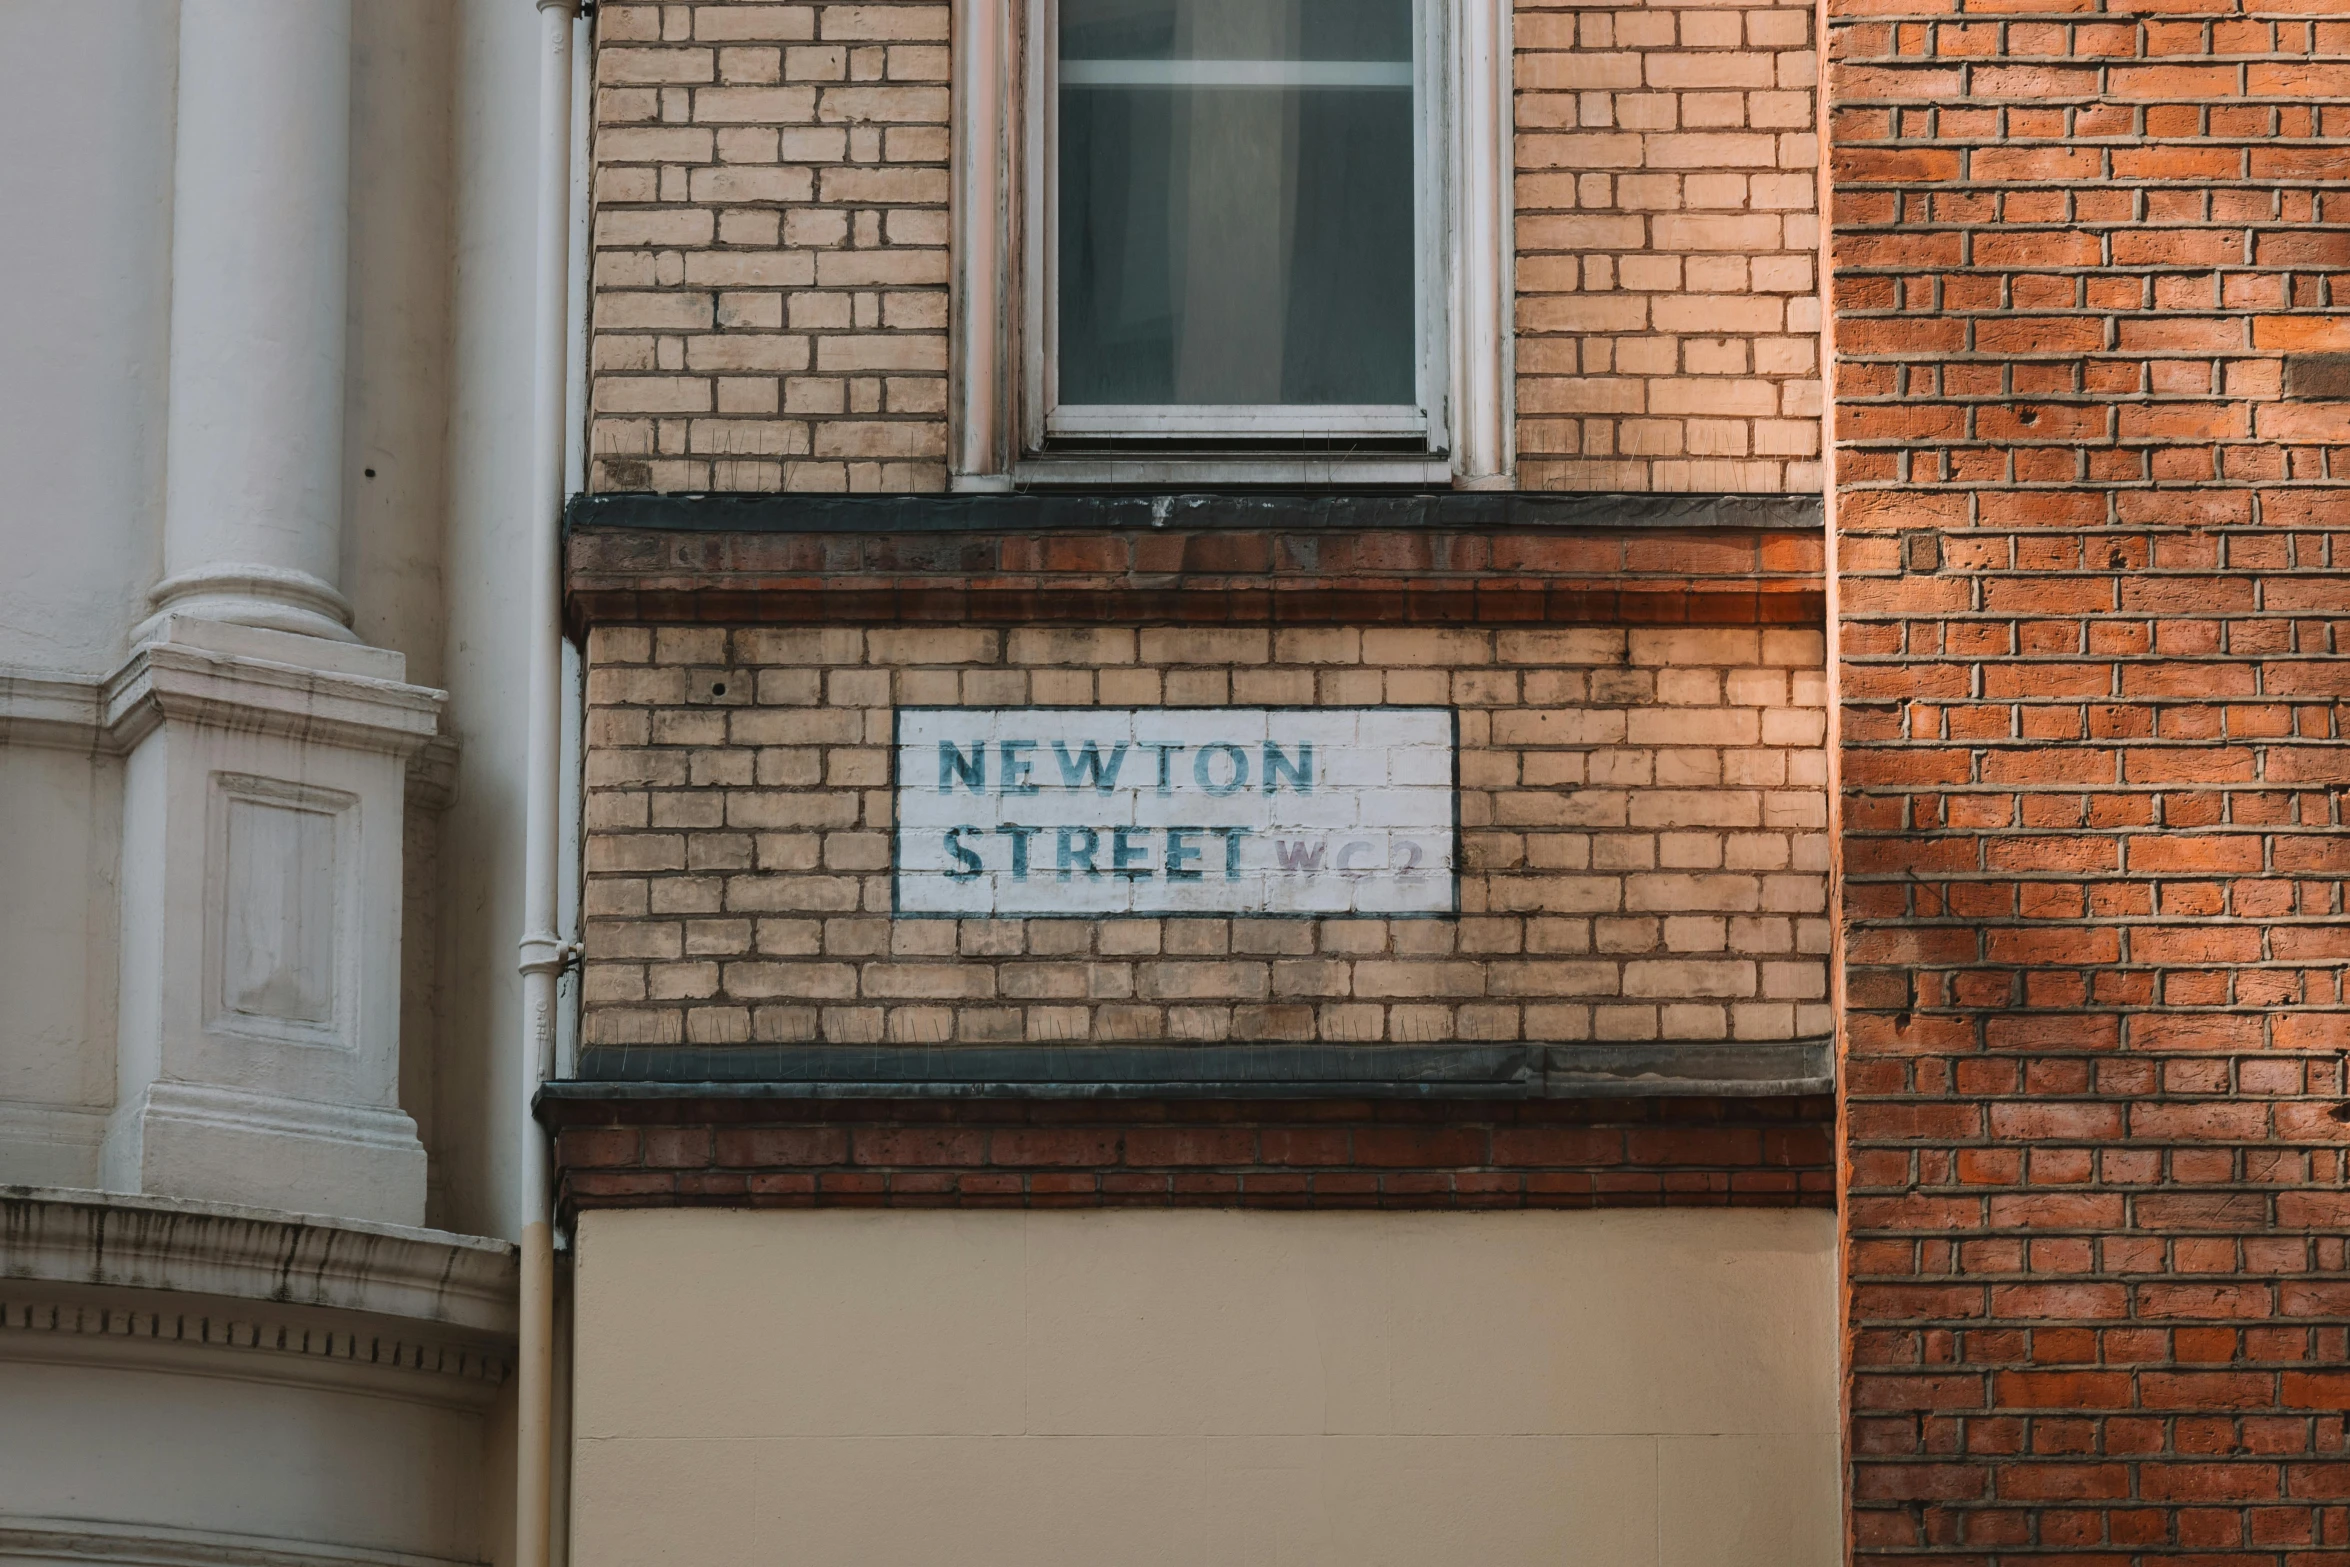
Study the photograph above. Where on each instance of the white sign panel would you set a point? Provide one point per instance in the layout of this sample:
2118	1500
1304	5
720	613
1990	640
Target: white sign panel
1224	810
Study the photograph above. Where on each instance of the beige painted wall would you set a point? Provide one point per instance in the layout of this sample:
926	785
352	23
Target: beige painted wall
1650	1389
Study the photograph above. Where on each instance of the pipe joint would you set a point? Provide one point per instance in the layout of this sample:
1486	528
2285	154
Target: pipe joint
544	952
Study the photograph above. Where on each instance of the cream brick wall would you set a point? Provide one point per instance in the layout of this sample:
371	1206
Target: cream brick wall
770	233
1642	813
1668	318
771	261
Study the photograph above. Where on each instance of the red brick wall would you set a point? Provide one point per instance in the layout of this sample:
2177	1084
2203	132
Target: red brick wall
2093	613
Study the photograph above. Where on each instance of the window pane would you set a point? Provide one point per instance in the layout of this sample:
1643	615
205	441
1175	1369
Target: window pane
1236	201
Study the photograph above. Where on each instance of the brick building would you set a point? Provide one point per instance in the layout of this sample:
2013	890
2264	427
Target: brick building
2090	600
1383	779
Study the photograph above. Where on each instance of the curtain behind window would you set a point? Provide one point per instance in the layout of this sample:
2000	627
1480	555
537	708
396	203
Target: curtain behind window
1237	190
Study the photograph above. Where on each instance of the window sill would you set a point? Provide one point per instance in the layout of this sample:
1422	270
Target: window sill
1129	471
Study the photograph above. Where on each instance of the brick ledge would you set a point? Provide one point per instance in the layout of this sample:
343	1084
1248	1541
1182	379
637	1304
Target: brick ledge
699	1151
1043	512
1195	560
1674	1069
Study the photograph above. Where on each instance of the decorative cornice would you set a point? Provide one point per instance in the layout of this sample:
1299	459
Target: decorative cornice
53	710
73	713
164	1330
166	680
157	1284
45	1540
213	1249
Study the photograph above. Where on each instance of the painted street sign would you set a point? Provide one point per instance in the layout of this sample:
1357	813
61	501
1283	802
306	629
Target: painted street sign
1084	812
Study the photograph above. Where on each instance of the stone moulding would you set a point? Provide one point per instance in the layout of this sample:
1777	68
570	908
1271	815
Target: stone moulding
61	711
166	680
42	1540
251	1341
111	1281
212	1249
69	713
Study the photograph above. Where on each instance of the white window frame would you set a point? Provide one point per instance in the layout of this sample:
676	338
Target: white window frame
1008	431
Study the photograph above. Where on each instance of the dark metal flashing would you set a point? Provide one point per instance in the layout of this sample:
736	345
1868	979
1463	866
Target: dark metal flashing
1466	511
1698	1069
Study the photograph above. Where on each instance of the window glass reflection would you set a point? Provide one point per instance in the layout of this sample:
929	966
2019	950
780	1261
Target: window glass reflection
1237	190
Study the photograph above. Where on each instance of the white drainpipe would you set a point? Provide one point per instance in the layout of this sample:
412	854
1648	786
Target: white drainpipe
543	951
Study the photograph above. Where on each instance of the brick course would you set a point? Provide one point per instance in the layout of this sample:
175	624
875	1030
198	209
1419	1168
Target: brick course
1762	1153
1304	572
2093	608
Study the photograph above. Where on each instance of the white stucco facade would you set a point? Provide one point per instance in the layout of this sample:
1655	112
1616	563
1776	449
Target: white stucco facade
401	504
194	1382
260	708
